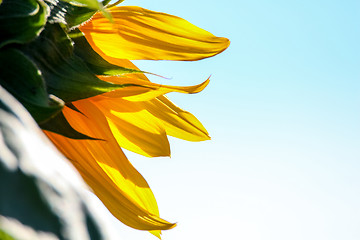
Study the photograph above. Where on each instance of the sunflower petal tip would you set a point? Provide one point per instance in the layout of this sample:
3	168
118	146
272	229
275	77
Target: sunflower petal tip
225	43
200	87
202	138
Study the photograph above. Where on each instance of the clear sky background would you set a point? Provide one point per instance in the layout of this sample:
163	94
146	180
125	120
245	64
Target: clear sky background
283	111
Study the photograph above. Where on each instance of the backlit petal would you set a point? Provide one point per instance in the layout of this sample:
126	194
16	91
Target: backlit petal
134	128
177	122
146	90
108	172
139	33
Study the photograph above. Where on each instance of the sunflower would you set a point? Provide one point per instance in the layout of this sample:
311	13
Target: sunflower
132	112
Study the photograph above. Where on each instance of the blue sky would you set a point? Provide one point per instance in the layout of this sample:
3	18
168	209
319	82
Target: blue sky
283	112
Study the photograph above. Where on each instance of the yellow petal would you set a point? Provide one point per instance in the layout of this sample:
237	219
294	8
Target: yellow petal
139	33
177	122
108	172
134	128
146	90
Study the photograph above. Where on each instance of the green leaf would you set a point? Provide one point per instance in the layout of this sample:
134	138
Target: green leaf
60	125
21	20
41	195
94	61
22	79
66	75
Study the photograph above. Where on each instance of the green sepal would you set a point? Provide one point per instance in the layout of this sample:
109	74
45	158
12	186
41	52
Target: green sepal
68	14
91	4
20	76
93	60
72	106
65	74
21	20
60	125
73	15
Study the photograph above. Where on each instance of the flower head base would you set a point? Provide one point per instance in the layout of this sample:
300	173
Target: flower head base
105	103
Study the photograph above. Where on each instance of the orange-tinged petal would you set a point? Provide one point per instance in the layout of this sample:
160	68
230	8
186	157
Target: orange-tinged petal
108	172
146	90
139	33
